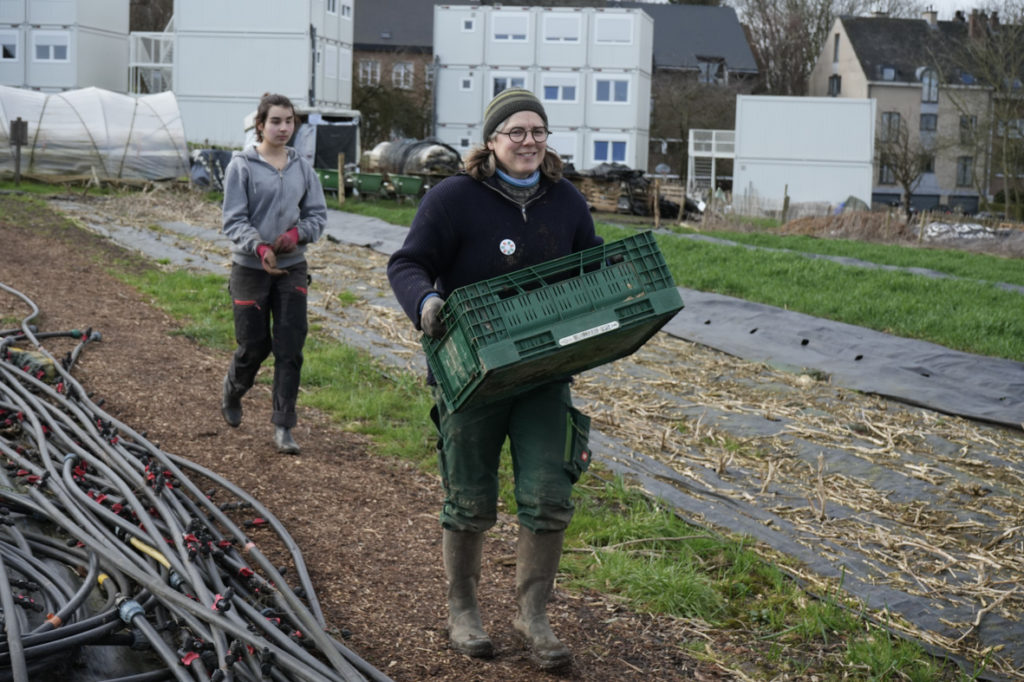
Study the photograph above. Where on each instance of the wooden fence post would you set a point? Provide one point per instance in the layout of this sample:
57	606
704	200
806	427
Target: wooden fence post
341	177
657	203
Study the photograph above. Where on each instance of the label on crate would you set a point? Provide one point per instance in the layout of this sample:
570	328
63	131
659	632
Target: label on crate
588	333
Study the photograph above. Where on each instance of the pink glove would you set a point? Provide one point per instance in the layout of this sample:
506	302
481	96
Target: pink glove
268	259
287	241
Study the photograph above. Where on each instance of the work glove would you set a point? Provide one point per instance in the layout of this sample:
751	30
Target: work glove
287	241
268	259
430	317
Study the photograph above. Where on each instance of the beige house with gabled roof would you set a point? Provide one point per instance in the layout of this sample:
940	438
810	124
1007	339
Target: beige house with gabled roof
905	65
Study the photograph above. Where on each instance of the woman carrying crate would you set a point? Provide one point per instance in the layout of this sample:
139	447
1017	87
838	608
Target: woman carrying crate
510	209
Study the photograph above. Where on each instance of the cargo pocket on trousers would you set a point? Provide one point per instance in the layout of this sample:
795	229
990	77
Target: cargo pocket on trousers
577	443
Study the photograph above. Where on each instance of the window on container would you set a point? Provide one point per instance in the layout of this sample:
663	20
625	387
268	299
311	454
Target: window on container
330	61
964	171
890	129
835	85
615	30
403	75
332	6
619	152
835	48
505	82
9	46
50	46
510	27
369	72
886	176
712	71
610	151
560	89
608	90
968	124
346	10
929	86
468	25
929	122
466	84
562	28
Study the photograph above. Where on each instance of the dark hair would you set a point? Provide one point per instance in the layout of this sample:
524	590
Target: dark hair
263	110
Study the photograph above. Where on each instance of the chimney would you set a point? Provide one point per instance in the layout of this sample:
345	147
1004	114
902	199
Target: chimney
976	25
993	21
932	17
958	16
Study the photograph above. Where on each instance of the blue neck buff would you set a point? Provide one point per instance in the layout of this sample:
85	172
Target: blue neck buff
517	182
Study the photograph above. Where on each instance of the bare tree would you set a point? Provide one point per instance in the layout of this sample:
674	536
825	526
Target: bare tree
150	15
390	113
786	35
682	103
902	156
990	57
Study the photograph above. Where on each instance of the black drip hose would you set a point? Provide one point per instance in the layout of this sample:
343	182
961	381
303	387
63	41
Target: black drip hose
107	540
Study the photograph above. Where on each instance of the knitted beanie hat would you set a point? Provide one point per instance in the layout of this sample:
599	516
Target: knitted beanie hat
508	102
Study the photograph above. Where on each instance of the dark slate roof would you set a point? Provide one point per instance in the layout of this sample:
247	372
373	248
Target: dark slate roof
397	24
684	32
681	32
905	45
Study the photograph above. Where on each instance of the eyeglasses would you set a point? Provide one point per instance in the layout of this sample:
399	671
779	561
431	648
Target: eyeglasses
519	134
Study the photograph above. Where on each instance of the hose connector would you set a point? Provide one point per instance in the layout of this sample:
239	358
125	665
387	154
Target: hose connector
128	609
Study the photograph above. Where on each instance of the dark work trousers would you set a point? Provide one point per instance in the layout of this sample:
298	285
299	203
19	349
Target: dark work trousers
270	316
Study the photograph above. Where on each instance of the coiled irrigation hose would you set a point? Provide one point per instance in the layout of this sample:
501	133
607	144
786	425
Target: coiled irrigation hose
107	540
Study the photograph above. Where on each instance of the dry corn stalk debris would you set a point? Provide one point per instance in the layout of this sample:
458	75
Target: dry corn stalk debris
929	504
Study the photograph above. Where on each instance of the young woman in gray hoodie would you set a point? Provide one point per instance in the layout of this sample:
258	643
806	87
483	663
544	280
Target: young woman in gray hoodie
273	206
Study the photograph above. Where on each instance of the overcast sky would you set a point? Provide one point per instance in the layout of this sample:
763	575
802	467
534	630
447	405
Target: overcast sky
946	8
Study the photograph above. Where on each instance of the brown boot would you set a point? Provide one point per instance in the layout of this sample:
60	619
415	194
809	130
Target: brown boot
537	557
462	565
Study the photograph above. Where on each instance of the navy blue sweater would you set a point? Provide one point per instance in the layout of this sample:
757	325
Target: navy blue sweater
466	230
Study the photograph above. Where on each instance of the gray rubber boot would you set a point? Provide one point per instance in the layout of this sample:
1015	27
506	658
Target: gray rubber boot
537	557
462	566
284	441
231	404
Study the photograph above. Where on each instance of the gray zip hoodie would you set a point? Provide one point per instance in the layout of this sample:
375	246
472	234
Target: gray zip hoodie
261	203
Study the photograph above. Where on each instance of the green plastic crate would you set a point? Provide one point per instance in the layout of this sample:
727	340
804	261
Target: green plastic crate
368	183
328	179
517	331
406	185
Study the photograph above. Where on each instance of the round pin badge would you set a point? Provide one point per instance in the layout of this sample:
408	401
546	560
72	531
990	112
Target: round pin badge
507	247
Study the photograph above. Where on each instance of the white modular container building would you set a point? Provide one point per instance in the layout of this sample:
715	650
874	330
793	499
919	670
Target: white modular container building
56	45
815	149
229	52
591	67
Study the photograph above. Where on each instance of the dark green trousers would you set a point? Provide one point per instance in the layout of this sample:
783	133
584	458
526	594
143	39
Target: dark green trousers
548	441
